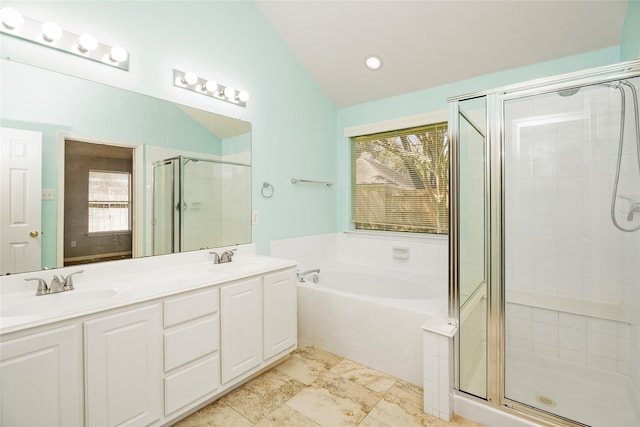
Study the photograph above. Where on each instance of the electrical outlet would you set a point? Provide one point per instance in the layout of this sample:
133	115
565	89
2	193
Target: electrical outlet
255	217
73	243
47	194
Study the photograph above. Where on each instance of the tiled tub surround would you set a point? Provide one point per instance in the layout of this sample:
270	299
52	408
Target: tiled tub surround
176	331
384	333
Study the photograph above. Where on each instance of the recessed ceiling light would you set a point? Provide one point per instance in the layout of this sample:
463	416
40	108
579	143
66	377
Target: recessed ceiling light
373	62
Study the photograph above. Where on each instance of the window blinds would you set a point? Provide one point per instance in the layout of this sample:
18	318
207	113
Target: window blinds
400	180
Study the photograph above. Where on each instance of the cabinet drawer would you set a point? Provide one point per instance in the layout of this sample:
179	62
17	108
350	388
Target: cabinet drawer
183	309
191	342
191	384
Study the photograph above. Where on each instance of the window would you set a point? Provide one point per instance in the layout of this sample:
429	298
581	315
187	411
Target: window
400	180
109	201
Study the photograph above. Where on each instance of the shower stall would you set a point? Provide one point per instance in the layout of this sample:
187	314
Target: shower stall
545	247
200	203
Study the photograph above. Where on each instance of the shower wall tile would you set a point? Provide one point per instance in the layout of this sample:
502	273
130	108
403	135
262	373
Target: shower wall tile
572	356
602	363
582	340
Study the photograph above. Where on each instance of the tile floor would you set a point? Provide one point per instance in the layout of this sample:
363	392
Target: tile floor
317	388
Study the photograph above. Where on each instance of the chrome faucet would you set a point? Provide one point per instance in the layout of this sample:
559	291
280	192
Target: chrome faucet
227	256
58	284
302	276
635	208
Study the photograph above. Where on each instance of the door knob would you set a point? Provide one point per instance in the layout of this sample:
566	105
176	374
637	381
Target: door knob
34	234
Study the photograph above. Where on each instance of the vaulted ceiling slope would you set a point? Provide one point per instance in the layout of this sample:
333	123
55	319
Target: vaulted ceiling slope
428	43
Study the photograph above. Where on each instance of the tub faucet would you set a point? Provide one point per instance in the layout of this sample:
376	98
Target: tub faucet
635	208
301	276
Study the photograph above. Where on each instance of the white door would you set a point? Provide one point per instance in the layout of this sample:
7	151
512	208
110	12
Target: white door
20	206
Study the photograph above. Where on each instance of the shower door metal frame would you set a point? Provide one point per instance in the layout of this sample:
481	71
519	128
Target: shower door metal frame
496	99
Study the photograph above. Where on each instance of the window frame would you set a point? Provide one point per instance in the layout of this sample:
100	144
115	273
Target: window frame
425	119
129	203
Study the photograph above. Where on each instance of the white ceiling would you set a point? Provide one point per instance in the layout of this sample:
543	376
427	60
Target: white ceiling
428	43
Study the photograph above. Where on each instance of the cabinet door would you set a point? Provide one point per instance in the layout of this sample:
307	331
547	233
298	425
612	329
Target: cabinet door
241	320
41	379
280	312
123	358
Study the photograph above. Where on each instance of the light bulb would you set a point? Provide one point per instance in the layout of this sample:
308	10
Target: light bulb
87	43
211	86
190	78
229	92
11	18
118	54
373	62
243	96
51	32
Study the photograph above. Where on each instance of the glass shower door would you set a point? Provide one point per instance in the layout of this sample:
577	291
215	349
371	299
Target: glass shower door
569	281
472	245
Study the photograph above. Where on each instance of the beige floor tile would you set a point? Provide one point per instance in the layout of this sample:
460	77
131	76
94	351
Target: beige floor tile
302	369
344	388
369	421
393	415
365	376
408	396
286	416
458	421
329	360
213	415
262	395
325	408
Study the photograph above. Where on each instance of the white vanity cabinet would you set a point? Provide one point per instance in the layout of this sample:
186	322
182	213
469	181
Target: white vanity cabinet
191	348
123	367
148	362
241	313
41	378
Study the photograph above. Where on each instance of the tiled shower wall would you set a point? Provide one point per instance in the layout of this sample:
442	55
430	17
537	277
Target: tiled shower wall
577	339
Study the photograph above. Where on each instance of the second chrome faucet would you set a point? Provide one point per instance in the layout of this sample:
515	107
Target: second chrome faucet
59	283
226	256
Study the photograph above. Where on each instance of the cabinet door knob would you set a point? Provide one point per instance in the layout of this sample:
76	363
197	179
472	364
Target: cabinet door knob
34	234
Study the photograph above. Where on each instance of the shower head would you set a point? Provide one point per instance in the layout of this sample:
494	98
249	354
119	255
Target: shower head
568	92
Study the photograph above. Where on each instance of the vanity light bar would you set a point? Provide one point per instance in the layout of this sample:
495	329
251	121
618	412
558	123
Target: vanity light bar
190	81
52	35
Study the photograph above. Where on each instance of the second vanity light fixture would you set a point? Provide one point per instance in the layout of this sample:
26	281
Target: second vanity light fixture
190	81
52	35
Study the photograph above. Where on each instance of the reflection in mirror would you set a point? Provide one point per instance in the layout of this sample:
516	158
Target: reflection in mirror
182	203
42	111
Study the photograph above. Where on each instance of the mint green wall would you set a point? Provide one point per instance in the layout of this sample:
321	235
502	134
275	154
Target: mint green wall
435	99
630	44
296	131
293	122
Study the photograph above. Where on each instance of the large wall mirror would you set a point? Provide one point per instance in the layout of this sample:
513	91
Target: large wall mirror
92	173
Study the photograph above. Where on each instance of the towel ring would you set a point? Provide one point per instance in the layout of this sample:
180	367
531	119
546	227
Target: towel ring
267	190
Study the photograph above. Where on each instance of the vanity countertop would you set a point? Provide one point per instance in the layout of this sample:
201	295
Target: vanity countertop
95	291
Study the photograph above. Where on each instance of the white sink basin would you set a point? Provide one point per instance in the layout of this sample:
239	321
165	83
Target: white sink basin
33	305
